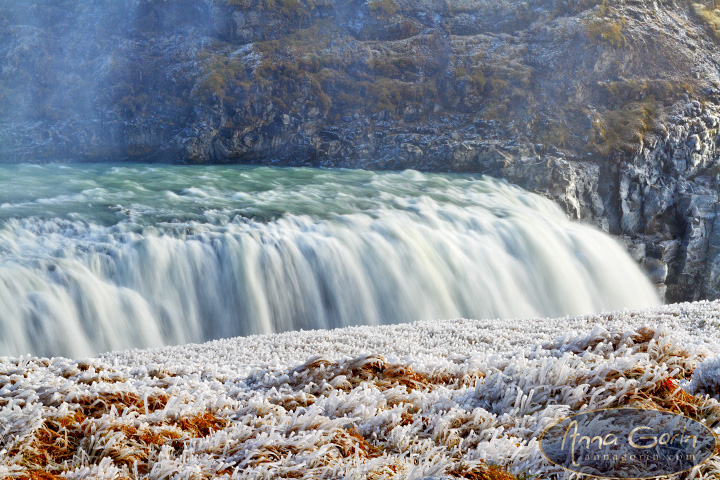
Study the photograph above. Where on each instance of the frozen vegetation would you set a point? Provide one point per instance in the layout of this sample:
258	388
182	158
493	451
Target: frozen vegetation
453	398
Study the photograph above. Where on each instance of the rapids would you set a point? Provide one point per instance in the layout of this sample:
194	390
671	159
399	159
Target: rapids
104	257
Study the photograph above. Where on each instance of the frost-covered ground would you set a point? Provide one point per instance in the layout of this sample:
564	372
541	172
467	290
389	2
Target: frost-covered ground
455	398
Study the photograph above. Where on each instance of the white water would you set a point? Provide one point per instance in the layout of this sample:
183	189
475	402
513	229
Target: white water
98	258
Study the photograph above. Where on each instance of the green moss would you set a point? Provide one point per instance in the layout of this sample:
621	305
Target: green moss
573	7
710	16
606	31
603	28
394	66
302	42
556	134
623	128
297	9
222	77
318	67
290	7
625	112
497	109
640	89
477	78
382	8
496	83
240	4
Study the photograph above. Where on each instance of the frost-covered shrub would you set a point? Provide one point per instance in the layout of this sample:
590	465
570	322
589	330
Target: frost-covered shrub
706	379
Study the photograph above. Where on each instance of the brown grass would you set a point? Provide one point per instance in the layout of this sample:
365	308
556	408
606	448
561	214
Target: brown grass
359	444
667	395
98	405
201	425
481	471
56	443
349	443
374	370
40	475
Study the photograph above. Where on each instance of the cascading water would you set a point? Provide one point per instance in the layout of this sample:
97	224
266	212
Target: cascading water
97	258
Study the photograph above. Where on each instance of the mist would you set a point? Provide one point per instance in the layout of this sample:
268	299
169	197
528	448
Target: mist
96	80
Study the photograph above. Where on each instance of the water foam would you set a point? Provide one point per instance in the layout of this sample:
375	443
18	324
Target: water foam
243	251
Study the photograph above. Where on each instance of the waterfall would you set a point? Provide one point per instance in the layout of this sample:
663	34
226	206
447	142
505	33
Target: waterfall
142	256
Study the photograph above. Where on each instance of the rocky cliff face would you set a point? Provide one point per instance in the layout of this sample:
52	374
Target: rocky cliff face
668	202
612	108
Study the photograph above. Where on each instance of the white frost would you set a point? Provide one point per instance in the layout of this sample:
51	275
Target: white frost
403	401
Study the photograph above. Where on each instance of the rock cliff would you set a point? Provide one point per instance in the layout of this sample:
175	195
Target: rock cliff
612	108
